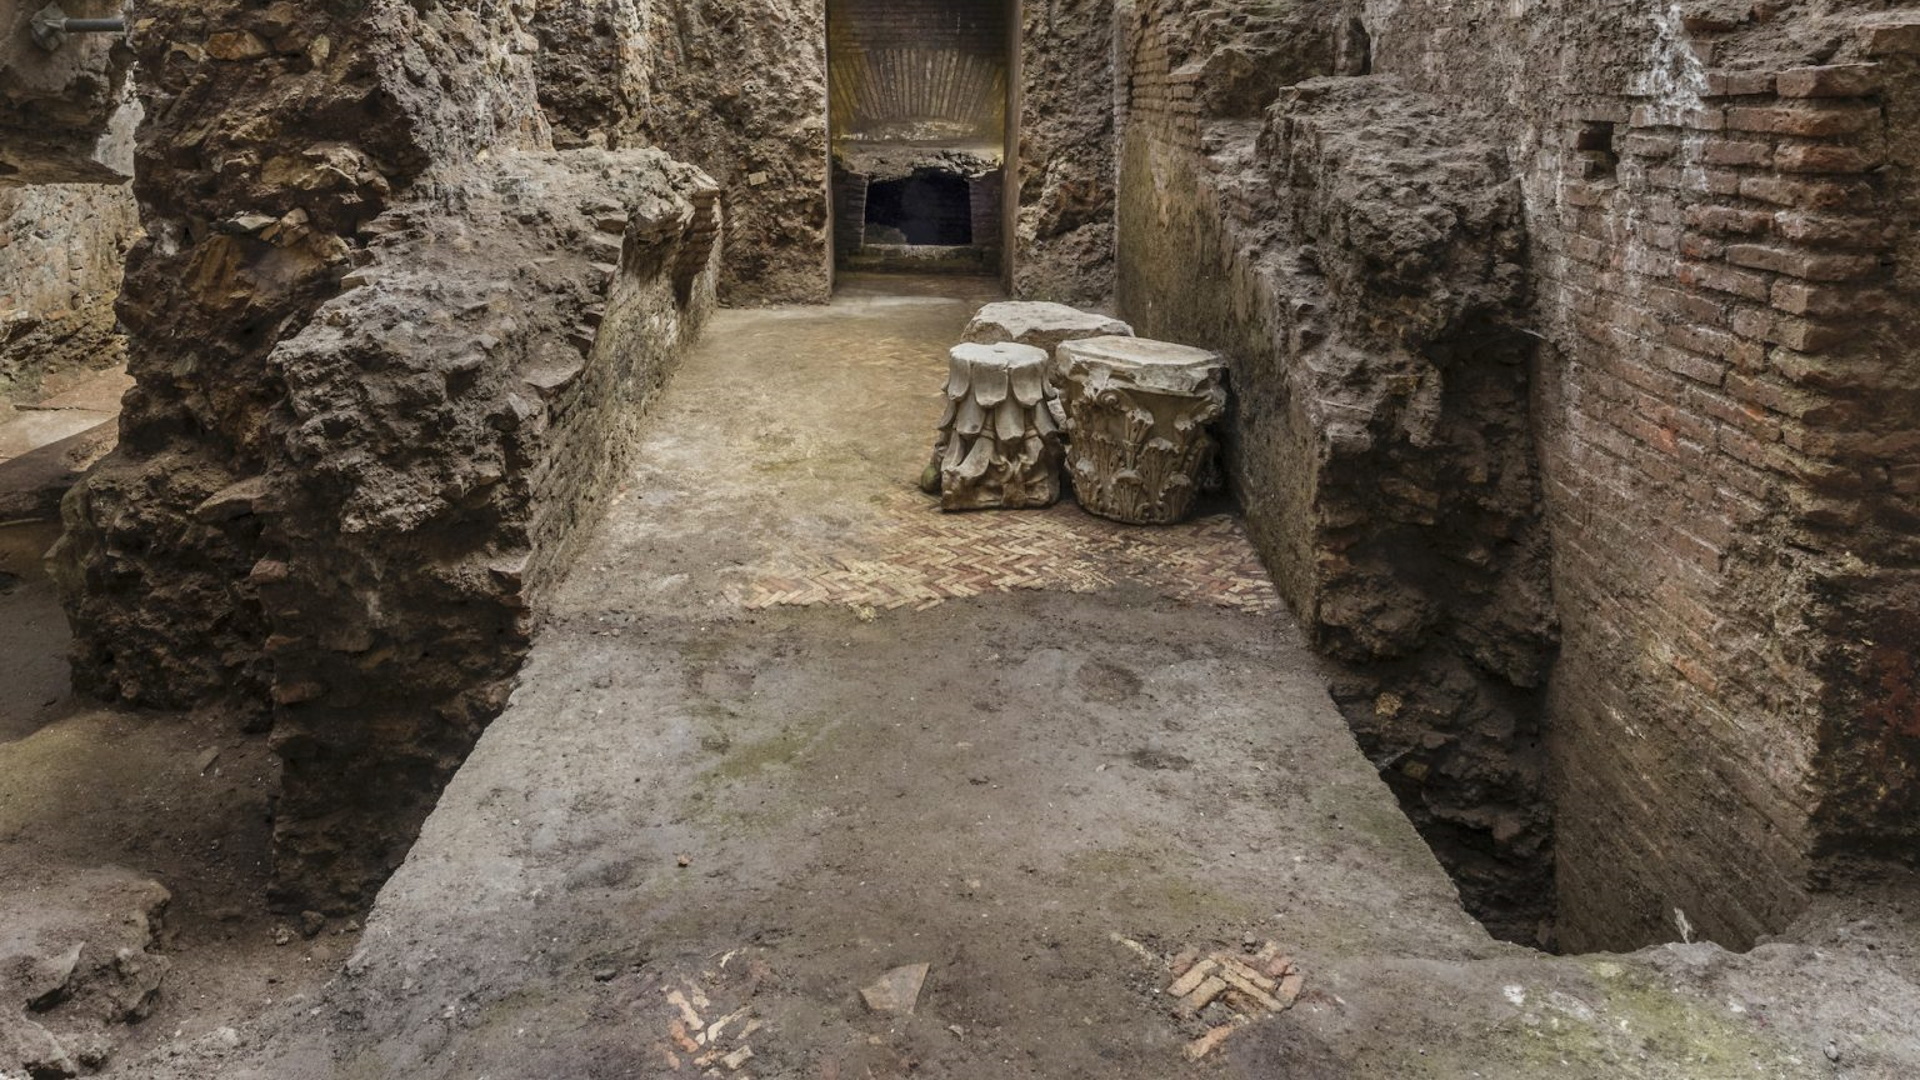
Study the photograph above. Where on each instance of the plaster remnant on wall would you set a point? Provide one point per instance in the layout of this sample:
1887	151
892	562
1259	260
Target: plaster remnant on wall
1674	77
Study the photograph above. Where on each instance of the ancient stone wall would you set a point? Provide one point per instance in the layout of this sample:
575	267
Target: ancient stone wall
1063	235
384	340
62	112
1716	200
741	91
274	134
450	427
67	214
1361	254
62	248
595	70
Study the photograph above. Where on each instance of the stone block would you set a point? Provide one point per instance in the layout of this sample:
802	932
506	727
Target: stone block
1041	325
1138	413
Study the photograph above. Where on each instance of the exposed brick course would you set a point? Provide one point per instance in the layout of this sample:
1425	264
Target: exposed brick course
1840	80
1720	263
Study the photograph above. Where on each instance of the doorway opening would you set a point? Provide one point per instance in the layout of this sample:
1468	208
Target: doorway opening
920	93
929	207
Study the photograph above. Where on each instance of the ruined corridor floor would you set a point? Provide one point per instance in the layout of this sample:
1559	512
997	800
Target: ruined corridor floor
788	728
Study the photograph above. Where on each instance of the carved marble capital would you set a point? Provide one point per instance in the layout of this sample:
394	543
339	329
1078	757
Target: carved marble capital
998	447
1138	416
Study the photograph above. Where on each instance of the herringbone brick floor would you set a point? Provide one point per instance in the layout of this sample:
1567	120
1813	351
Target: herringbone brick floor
916	556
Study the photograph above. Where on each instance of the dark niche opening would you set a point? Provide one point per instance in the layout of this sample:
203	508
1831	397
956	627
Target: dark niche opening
929	207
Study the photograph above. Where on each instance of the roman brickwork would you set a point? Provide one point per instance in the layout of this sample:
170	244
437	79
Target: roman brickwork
1716	203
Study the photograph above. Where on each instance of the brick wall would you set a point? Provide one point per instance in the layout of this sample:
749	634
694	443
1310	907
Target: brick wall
1729	426
986	203
975	27
849	211
896	61
1158	98
1718	204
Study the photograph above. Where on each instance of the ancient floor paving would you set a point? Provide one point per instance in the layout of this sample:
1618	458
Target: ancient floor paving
788	729
45	446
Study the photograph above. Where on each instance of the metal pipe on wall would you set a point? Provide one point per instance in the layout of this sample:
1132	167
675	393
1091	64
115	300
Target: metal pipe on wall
51	25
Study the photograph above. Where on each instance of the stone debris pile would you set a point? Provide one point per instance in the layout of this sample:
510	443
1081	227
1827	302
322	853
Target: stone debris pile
1133	414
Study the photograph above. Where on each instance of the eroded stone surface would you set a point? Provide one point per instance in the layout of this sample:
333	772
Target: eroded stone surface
1063	232
1041	324
351	459
402	559
998	447
62	248
742	92
1138	413
63	114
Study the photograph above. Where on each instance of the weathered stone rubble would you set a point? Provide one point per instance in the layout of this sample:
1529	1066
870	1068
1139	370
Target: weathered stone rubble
380	385
78	959
449	423
595	69
1374	257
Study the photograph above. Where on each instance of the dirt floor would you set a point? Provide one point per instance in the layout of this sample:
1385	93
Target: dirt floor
789	728
97	807
121	832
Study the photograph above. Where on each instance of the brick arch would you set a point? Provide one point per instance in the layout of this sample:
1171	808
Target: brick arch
900	64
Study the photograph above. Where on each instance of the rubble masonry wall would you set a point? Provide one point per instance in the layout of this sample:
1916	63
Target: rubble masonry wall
386	341
1716	200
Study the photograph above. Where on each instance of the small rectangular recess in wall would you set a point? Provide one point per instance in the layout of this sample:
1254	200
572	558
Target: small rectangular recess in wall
1595	155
